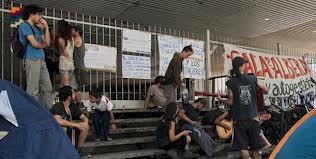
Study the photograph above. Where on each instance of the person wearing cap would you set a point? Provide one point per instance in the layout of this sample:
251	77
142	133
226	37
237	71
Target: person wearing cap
190	120
173	73
242	99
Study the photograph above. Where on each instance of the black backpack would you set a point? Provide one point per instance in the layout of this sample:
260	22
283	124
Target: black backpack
17	48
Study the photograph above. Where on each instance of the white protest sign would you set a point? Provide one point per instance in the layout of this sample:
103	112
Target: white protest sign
136	67
136	41
100	57
194	66
168	45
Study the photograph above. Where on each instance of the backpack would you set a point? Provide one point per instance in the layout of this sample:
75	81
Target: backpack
16	47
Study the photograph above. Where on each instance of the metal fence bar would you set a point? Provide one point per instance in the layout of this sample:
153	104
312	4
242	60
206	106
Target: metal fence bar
2	41
136	88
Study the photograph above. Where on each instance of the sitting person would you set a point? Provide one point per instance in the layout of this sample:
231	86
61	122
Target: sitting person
103	116
227	115
189	115
80	104
65	112
155	95
167	138
215	117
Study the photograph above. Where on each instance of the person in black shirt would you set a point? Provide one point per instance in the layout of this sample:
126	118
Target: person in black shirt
190	120
167	138
66	112
173	73
242	97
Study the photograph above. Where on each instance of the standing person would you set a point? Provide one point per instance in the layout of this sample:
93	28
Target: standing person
173	73
242	97
51	58
167	138
79	53
65	45
155	95
38	83
184	92
65	112
103	116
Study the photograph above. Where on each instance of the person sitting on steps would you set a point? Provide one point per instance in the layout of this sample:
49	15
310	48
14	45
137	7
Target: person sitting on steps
167	138
103	116
66	112
155	95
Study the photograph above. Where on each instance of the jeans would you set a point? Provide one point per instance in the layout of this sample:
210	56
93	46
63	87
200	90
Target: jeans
201	137
38	82
170	93
101	123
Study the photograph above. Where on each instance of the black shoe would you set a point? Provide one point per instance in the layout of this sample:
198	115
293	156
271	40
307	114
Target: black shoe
189	154
173	154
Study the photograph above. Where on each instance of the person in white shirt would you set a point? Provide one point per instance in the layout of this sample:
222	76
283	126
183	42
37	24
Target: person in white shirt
184	92
103	116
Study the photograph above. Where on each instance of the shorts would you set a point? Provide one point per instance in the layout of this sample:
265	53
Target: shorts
81	76
247	135
72	78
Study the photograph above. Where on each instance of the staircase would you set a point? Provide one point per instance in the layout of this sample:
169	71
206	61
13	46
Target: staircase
135	138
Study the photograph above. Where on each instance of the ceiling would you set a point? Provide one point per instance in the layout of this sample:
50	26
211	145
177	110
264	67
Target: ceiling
291	22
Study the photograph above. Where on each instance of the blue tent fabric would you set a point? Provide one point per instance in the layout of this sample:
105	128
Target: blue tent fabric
301	144
38	135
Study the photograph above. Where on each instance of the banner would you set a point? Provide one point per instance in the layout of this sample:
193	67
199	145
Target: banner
283	75
168	46
194	67
136	67
136	41
100	57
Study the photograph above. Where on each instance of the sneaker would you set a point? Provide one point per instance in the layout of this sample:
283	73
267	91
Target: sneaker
173	154
109	139
189	154
97	140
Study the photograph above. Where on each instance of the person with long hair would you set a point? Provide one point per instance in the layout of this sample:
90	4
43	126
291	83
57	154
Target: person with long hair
168	139
242	99
155	96
65	45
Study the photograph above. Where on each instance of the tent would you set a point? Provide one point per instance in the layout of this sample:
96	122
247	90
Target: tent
28	129
300	140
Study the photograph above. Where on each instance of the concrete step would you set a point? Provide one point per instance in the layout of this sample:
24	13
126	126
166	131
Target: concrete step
136	120
139	132
117	145
146	153
127	132
236	154
120	141
129	154
150	110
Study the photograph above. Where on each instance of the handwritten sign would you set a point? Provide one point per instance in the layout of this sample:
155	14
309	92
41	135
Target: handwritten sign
283	75
136	41
194	67
100	57
168	45
136	67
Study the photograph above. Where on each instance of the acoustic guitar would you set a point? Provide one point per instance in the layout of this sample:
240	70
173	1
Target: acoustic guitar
225	134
